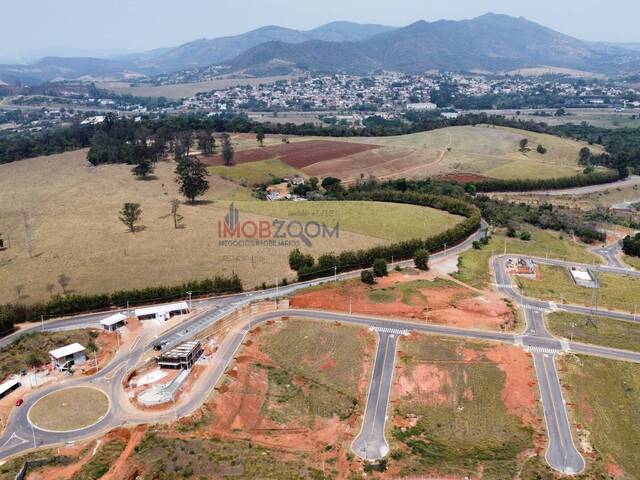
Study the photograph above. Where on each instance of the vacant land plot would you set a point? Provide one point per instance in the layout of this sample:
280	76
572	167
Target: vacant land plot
69	409
616	292
461	409
297	386
473	265
32	349
413	295
389	221
255	173
595	330
181	90
59	216
604	396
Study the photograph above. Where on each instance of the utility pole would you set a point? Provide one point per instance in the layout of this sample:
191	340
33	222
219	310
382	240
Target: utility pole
349	305
335	273
42	322
275	302
189	293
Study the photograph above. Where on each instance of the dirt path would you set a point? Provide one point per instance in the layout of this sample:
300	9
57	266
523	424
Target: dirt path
118	470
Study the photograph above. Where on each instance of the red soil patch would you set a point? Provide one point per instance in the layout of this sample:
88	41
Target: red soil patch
427	382
614	470
122	468
297	155
462	177
518	394
448	305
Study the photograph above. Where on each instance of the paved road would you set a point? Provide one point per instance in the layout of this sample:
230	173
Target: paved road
370	442
627	182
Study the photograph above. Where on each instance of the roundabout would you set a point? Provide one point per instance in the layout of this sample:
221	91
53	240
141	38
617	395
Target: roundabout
69	410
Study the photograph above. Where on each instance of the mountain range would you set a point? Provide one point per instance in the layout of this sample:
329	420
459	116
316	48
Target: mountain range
491	42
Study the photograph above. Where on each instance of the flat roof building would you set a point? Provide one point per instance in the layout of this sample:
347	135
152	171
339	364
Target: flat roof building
64	357
162	312
9	386
113	322
183	356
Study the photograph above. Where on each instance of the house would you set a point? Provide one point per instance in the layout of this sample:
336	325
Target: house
297	181
274	196
162	312
9	386
113	322
181	357
64	357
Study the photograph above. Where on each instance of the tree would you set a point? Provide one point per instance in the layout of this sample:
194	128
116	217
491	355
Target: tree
177	218
206	142
523	144
421	259
526	236
380	267
366	276
227	150
192	177
130	215
541	149
332	185
143	168
584	157
260	135
298	260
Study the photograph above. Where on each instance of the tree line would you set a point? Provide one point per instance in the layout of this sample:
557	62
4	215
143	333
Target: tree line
59	305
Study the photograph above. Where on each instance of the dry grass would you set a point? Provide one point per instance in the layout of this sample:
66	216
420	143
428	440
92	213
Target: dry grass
483	150
72	228
69	409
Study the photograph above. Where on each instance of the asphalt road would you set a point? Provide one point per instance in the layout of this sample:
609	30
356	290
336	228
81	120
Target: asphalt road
627	182
370	442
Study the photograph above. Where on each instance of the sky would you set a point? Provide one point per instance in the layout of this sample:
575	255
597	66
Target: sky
76	27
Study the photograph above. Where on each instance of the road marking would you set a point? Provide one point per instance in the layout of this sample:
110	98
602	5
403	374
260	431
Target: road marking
394	331
135	342
565	346
112	373
14	435
537	349
536	309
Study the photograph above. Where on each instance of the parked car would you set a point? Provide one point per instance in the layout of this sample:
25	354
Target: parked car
19	402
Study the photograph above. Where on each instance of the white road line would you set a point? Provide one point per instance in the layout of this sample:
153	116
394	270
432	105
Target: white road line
536	349
394	331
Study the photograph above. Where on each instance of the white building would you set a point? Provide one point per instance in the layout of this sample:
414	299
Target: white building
421	107
162	312
64	357
9	386
113	322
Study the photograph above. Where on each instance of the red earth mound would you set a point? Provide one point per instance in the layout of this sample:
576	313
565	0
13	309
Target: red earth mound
463	177
298	154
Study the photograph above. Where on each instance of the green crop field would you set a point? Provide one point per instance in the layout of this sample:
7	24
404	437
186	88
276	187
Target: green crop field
255	173
387	221
464	426
473	265
617	292
595	330
605	395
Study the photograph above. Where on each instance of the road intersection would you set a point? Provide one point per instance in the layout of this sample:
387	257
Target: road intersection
21	436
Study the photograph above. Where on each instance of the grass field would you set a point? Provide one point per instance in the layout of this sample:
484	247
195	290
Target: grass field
616	292
101	461
633	262
473	265
392	221
326	359
597	330
482	150
32	349
69	409
459	424
169	457
255	173
605	394
598	117
59	216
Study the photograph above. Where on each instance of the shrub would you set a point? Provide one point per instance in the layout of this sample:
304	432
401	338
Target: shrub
367	277
421	259
380	267
526	236
541	149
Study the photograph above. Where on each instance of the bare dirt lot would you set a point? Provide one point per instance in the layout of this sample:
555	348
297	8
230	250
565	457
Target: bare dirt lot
413	295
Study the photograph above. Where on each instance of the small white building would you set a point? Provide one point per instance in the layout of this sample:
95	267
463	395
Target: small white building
421	107
162	312
114	322
64	357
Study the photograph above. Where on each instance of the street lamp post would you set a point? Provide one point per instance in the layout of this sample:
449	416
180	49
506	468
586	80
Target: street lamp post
335	273
189	293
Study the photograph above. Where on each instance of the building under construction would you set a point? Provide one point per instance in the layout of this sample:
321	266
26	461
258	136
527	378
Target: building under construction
181	357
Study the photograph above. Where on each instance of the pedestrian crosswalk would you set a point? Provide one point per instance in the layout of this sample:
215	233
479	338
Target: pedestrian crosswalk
393	331
533	308
537	349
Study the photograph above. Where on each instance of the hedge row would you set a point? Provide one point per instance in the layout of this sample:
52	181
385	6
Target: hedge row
357	259
10	314
530	185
